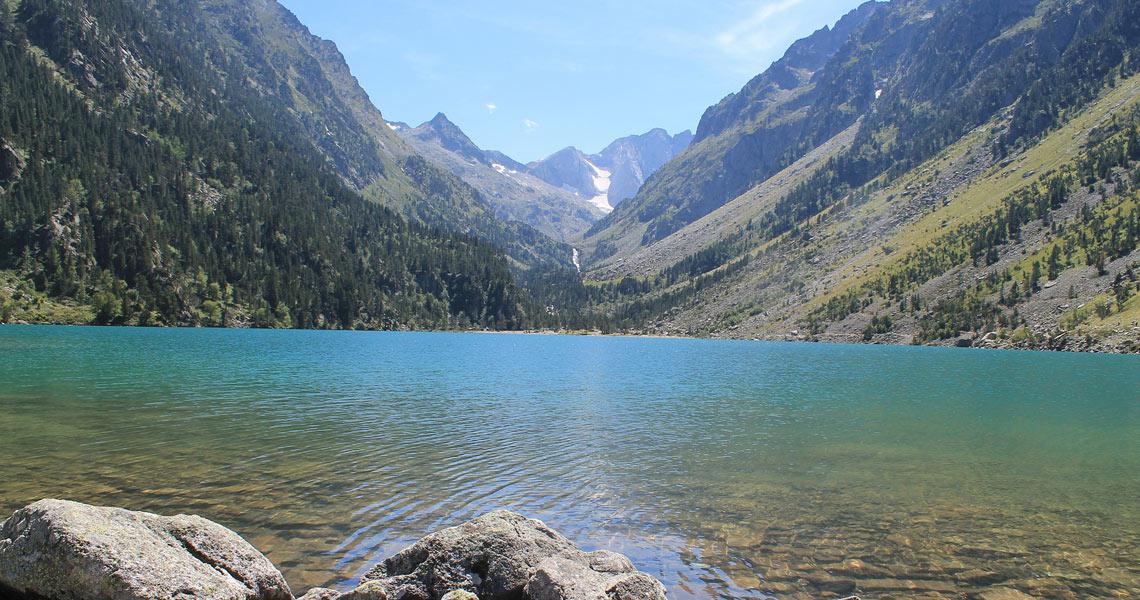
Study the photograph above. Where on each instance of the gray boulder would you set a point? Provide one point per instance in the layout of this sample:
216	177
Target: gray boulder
505	556
560	579
59	550
374	590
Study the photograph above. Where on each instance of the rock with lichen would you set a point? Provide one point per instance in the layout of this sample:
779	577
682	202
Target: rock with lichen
505	556
60	550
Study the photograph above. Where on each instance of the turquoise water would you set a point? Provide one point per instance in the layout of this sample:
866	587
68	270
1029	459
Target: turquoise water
727	469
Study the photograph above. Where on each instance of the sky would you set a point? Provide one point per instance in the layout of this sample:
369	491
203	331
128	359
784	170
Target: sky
530	78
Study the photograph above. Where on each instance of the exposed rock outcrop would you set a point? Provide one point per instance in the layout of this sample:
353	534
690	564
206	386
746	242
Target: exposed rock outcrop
505	556
11	165
60	550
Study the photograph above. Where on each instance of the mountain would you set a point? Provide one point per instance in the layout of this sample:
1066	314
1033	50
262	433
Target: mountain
562	195
614	174
631	160
957	172
926	171
744	139
202	163
264	44
572	170
515	194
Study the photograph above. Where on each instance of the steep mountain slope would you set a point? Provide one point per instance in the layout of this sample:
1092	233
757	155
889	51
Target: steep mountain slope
150	176
569	169
1037	250
515	194
264	45
616	173
725	222
631	160
743	140
948	204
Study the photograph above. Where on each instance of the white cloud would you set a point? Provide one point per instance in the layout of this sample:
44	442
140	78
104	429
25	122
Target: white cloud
739	38
530	124
491	107
753	36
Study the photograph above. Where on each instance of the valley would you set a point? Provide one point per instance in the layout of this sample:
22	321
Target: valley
868	331
881	182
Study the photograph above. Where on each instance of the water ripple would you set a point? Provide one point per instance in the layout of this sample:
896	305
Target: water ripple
729	470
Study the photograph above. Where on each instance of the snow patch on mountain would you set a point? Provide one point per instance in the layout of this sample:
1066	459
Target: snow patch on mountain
602	180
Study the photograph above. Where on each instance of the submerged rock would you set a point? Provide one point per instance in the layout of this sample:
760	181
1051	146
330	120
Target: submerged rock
1004	593
505	556
60	550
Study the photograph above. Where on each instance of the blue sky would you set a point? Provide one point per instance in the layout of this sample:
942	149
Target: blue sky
530	78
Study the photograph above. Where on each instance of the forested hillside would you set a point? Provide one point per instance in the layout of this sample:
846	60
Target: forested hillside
925	171
260	45
143	183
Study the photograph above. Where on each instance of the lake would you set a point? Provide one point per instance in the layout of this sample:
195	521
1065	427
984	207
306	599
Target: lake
726	469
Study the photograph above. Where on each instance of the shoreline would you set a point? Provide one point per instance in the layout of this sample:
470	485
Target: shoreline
977	343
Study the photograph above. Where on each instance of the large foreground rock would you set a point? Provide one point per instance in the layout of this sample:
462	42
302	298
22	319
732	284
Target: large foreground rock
61	550
505	556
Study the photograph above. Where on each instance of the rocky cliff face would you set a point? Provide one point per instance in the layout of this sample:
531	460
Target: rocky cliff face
616	173
632	160
919	71
570	169
792	71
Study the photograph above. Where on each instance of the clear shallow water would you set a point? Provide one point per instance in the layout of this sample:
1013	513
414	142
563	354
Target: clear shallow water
728	469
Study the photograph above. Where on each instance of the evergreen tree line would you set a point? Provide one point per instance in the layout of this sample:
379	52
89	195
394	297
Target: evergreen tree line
1109	166
914	123
140	183
934	107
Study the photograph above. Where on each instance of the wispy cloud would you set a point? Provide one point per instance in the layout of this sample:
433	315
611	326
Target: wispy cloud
491	108
530	125
741	37
426	65
753	35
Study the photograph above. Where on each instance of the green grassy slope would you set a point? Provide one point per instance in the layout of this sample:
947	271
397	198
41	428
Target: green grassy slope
854	274
969	125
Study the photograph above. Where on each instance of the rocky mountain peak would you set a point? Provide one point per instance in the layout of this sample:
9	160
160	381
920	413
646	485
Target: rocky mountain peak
569	168
450	136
